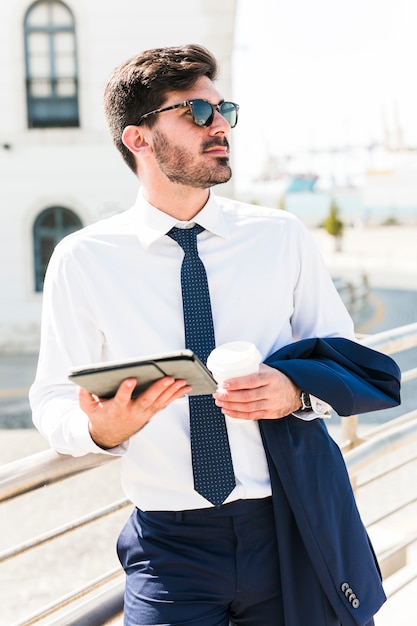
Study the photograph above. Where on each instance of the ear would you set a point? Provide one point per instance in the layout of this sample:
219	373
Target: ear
135	139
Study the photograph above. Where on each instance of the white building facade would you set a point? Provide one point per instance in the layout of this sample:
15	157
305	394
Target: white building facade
58	168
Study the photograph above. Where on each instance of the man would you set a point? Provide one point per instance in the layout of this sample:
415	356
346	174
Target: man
113	292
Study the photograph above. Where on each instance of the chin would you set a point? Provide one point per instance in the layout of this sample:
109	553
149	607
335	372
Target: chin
223	174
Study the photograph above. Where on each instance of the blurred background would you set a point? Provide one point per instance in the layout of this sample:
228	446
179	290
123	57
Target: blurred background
328	105
327	121
327	130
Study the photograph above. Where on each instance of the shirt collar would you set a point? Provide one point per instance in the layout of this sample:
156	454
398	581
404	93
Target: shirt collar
153	223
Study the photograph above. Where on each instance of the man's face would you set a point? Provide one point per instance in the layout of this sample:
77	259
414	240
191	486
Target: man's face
188	154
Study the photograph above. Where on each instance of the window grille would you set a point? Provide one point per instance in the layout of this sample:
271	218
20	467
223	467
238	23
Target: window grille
49	228
51	65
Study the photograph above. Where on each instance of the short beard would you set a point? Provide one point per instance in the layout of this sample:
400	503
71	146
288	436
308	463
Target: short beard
178	164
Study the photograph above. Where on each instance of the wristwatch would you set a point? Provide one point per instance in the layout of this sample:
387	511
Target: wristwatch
305	401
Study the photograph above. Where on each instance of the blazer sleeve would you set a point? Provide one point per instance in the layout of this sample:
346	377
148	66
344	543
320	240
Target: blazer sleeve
351	377
325	552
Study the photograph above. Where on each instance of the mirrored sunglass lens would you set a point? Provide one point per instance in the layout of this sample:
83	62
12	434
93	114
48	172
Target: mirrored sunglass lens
202	112
229	112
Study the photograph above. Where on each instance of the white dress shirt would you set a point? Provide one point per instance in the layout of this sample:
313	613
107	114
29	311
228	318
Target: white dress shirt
112	291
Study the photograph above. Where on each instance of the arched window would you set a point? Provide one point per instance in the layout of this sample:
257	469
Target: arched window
49	228
51	65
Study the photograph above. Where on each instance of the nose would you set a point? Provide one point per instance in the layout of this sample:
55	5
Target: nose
219	123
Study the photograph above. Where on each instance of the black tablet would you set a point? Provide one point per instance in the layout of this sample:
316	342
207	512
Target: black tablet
104	379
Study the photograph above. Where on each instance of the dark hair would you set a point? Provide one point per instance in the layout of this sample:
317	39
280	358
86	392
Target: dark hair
142	83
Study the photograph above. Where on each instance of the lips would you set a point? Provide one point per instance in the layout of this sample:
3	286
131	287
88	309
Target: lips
219	148
218	151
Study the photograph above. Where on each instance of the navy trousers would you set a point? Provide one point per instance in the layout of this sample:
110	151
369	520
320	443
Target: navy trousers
206	567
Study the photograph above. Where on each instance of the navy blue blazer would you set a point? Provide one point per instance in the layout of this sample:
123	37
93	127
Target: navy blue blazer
330	575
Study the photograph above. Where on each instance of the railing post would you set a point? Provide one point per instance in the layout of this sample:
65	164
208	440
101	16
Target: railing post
350	438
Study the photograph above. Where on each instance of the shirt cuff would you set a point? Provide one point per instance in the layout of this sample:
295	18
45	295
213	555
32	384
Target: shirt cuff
119	450
80	434
319	408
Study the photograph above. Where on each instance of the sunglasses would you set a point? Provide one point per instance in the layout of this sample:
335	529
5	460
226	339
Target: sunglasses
203	111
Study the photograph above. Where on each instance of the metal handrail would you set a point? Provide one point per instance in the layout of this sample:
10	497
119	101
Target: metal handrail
353	294
40	540
389	342
404	505
385	472
45	468
393	340
91	611
388	438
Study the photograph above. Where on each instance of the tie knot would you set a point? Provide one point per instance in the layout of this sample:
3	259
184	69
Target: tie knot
186	237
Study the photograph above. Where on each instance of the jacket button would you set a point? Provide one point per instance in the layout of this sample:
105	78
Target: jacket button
344	586
355	603
348	592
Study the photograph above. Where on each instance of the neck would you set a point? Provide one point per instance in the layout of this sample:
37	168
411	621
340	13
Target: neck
179	201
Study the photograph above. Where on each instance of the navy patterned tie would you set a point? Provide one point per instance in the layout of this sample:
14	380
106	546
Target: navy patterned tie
213	471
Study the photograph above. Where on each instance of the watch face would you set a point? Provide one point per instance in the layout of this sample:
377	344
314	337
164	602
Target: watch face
305	399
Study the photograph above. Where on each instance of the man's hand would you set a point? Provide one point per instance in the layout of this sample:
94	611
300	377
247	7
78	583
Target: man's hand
115	420
268	394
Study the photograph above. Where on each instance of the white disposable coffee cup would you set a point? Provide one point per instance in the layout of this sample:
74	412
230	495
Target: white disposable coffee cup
236	358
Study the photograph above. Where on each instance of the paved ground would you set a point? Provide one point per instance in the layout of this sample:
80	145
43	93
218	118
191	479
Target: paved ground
388	255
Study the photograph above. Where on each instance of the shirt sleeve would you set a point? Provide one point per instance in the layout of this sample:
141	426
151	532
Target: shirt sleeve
318	309
70	336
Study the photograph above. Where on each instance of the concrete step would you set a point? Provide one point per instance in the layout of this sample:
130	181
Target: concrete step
401	579
400	608
390	547
401	590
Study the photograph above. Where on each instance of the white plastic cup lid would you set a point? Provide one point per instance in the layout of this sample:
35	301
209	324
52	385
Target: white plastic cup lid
235	358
